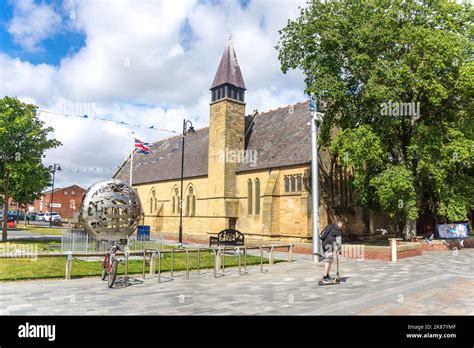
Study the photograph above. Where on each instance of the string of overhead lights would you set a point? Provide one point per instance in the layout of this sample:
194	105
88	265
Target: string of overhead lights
123	123
90	169
95	169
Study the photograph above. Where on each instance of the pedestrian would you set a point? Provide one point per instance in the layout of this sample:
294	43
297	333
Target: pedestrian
331	234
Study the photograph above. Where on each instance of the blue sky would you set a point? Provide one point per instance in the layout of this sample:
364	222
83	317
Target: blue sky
63	43
143	62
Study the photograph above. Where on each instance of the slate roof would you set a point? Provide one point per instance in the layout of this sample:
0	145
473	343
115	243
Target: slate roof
280	138
228	70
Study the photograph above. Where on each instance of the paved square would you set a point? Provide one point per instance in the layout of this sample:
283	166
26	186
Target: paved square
435	283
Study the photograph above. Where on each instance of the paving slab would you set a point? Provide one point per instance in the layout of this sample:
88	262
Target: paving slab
436	283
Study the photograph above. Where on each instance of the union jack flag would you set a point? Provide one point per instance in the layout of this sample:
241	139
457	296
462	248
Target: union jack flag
141	146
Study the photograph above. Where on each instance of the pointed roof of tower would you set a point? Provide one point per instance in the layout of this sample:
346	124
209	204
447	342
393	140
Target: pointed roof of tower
229	70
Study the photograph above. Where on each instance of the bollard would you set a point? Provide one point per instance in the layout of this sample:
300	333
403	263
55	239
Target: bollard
290	253
393	246
68	265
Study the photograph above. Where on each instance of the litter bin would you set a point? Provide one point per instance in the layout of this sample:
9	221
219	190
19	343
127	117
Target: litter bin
143	232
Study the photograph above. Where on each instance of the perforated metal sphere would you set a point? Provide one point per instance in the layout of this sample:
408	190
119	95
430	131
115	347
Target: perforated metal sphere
110	210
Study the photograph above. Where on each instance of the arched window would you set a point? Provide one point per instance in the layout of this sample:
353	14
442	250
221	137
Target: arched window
249	197
257	197
173	202
152	202
187	205
190	202
293	184
287	184
176	205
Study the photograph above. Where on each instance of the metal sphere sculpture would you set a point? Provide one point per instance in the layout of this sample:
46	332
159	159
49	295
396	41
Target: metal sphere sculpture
110	210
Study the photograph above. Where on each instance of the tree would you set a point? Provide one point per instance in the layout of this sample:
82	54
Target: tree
23	140
403	72
27	184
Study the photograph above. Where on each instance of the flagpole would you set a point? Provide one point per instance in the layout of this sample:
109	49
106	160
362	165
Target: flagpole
131	158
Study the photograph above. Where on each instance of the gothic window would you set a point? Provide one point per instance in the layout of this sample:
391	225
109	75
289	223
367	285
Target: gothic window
187	205
152	202
293	183
249	197
299	183
257	197
173	202
176	205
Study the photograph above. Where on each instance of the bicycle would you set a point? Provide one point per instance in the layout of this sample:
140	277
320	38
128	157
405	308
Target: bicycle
110	264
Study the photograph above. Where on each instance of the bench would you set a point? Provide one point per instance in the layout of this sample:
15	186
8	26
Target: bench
227	237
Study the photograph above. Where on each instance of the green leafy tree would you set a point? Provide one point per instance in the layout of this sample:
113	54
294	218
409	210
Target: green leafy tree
361	151
27	184
23	140
395	192
405	70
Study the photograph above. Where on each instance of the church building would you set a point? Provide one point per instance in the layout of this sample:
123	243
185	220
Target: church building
245	171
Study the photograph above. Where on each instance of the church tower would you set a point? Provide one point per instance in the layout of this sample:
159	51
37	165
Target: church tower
226	134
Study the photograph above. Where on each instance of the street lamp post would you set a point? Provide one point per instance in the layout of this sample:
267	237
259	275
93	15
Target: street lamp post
52	169
314	176
186	130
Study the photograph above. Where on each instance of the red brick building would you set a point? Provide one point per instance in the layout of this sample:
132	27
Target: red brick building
66	201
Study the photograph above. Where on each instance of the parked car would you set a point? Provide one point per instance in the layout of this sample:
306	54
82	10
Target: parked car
10	221
53	216
18	216
39	217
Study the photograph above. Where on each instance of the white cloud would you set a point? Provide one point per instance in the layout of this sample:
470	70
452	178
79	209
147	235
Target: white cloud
32	23
134	68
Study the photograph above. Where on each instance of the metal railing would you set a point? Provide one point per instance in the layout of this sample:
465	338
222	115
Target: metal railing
77	240
219	258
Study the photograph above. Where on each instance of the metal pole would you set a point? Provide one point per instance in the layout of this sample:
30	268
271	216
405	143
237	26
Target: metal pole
314	177
52	195
131	158
181	194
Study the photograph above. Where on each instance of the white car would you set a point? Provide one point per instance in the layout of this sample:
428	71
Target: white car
39	217
52	216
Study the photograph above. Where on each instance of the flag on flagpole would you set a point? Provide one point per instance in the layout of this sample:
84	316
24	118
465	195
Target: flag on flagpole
141	146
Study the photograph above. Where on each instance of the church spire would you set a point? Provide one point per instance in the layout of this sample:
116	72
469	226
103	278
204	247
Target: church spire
229	70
